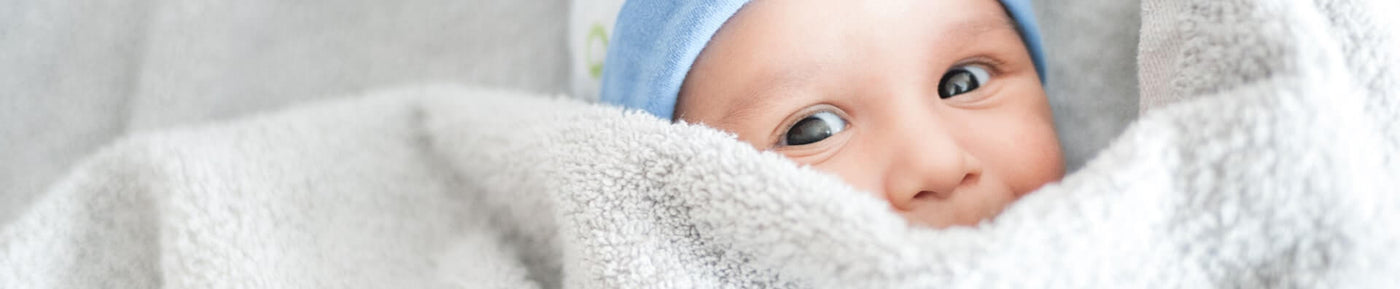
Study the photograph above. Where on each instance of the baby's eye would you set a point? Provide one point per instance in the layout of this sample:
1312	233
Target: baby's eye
813	128
962	79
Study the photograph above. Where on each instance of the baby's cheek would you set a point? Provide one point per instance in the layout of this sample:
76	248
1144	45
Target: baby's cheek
1040	159
854	167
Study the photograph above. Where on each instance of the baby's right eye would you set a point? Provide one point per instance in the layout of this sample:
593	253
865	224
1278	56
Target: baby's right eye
813	128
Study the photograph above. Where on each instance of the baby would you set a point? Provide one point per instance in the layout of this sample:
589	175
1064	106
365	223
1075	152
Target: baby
933	105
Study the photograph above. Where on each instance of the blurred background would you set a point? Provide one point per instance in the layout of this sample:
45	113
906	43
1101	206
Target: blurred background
76	75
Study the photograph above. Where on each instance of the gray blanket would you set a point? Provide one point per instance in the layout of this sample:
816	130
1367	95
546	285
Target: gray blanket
1267	159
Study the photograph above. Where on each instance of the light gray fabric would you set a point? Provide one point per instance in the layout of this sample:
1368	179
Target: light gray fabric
1091	48
1281	174
76	74
66	68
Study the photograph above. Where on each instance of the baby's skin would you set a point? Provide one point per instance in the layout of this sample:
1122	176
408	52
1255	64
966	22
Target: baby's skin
934	106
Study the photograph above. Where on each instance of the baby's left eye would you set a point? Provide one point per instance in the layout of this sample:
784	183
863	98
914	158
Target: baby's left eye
962	79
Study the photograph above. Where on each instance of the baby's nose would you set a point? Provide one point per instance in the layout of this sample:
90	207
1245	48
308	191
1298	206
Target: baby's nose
929	171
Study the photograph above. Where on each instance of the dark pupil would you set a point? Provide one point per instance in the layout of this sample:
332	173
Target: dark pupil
957	81
808	130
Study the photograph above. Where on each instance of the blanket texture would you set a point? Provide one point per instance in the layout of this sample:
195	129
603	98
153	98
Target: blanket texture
1275	166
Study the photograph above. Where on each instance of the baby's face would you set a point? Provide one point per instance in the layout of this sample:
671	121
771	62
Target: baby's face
934	106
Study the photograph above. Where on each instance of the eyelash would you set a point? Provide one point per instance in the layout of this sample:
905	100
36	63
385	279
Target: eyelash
994	66
994	69
809	111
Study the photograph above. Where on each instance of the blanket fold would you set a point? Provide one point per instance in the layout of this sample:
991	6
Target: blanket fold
1267	158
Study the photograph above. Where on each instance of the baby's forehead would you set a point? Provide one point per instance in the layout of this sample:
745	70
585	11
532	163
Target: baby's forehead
992	16
779	80
656	42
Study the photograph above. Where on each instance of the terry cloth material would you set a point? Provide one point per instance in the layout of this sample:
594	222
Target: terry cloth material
1280	176
654	44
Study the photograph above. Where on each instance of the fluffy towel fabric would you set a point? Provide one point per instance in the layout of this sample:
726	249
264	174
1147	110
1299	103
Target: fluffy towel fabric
655	42
1282	176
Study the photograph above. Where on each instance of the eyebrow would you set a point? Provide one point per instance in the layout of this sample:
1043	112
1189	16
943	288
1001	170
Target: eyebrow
982	25
779	90
785	79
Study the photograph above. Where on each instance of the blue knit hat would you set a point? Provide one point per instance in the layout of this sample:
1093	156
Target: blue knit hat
655	42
